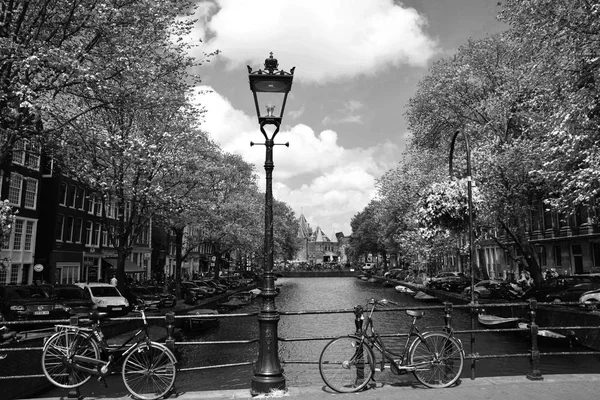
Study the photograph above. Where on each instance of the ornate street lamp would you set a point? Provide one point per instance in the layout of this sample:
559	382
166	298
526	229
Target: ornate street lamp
270	88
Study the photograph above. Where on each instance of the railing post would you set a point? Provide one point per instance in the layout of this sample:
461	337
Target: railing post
534	373
74	393
170	324
448	316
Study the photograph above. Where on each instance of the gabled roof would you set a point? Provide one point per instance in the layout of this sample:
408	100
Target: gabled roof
304	228
319	236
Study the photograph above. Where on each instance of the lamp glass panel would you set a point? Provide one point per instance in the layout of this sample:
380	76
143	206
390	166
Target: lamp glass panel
270	99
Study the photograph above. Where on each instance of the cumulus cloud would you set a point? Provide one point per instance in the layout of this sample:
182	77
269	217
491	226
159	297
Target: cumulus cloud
325	40
339	181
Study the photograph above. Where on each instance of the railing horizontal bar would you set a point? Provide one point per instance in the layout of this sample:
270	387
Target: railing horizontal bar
22	376
216	366
218	342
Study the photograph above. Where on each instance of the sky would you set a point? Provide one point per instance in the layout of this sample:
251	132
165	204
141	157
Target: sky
357	64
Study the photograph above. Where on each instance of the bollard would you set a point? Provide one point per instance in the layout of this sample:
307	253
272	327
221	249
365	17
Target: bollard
534	373
170	324
74	393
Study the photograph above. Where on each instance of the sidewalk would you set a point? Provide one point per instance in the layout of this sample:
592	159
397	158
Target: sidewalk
552	387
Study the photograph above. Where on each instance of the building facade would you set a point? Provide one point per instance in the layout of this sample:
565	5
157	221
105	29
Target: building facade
317	247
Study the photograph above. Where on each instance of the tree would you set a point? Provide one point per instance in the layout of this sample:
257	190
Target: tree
121	136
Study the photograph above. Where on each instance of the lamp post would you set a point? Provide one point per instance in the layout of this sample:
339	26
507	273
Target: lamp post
269	86
471	258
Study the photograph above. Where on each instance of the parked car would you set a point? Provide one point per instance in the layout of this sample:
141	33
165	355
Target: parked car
573	293
29	302
590	299
107	298
483	289
192	292
455	283
555	285
396	273
218	287
207	289
140	295
443	275
166	299
77	299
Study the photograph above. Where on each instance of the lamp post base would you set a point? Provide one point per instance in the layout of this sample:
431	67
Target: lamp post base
268	373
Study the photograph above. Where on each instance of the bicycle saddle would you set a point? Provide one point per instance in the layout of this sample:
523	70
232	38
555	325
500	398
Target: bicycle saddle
413	313
97	316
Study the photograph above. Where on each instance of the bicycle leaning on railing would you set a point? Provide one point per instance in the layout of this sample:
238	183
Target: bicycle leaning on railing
74	354
347	363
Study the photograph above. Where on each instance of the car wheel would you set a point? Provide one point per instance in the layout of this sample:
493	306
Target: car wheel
556	300
476	295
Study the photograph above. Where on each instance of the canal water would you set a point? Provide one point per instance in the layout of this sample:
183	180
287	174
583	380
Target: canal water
300	358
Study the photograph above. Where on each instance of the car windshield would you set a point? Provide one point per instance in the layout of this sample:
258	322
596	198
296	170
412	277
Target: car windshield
25	292
105	291
140	290
71	293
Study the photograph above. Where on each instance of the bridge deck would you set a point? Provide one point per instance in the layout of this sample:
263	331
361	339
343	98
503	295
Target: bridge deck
552	387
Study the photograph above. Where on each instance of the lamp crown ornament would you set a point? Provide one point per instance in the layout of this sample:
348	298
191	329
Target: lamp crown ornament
271	64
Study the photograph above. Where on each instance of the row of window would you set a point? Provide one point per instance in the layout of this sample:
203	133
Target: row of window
21	190
73	196
26	154
69	229
22	235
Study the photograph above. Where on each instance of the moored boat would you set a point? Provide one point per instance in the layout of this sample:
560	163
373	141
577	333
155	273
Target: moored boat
204	322
547	335
404	289
424	296
495	321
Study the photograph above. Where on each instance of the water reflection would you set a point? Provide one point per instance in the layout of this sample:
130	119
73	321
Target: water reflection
300	358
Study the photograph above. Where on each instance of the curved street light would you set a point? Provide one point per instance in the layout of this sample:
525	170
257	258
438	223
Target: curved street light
270	87
471	258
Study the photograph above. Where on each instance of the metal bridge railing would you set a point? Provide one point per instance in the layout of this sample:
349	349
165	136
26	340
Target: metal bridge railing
534	355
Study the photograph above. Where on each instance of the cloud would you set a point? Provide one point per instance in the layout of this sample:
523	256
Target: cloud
325	40
346	114
316	175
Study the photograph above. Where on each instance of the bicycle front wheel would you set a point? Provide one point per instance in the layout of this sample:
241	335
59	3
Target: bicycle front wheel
438	359
346	364
57	355
149	371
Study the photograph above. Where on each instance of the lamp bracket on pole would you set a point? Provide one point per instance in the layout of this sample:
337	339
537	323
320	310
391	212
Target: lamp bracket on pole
286	144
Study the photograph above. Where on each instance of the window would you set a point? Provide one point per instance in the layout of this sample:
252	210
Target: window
14	191
96	235
60	220
98	206
596	254
31	188
71	194
14	273
88	233
62	200
32	156
68	232
80	199
29	226
77	230
542	256
104	238
557	256
547	219
18	232
18	156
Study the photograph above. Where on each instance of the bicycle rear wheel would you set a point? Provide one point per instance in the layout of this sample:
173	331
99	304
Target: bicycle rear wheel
438	359
59	348
149	371
346	364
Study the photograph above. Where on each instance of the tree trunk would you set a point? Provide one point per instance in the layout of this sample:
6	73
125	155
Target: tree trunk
178	232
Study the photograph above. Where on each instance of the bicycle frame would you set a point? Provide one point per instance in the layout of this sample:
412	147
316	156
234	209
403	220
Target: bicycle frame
103	368
374	340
